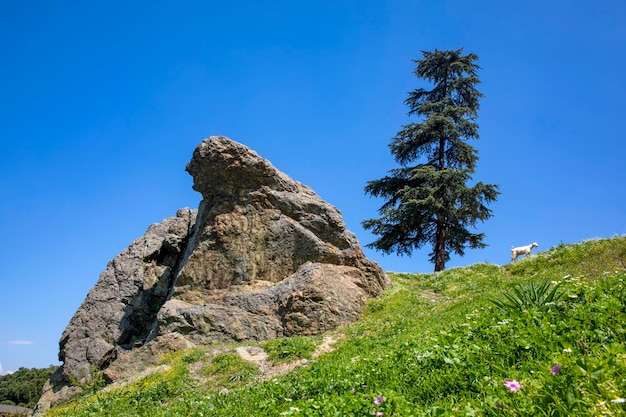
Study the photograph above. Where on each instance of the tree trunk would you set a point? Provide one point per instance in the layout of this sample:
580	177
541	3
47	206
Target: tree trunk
440	247
440	238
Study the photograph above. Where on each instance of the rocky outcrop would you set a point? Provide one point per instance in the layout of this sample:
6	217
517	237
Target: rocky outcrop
262	257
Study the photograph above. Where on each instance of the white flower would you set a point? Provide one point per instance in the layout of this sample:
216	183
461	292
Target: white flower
290	411
567	350
619	400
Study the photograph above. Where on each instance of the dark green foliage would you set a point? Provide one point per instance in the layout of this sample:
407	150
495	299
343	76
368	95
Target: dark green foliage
521	298
430	202
23	387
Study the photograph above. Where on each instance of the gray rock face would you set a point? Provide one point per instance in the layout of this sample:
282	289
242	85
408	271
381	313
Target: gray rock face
121	308
262	257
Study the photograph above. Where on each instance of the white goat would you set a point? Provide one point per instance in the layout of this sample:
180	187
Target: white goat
522	250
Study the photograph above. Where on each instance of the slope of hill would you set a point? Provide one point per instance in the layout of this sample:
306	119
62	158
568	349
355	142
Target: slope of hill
545	335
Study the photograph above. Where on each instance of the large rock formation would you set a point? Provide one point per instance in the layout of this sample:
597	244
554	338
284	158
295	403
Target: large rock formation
262	257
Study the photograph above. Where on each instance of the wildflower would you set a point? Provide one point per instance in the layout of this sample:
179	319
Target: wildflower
353	389
619	400
290	411
512	384
567	350
379	413
378	400
556	369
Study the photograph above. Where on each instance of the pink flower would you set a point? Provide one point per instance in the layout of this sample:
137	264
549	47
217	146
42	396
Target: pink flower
512	384
379	413
378	400
555	370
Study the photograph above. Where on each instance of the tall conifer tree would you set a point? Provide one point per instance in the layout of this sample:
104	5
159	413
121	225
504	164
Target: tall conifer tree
428	199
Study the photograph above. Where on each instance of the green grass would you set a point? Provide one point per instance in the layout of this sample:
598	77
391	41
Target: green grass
228	370
289	349
433	345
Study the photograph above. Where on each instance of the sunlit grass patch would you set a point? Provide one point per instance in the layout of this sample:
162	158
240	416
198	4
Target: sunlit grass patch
184	356
289	349
227	370
589	258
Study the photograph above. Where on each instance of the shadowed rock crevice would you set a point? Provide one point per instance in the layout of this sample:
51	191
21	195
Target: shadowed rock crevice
141	311
262	257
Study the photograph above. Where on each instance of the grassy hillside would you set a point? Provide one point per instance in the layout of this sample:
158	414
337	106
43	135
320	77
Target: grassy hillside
544	336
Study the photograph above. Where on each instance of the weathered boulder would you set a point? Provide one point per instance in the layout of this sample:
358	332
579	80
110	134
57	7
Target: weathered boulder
262	257
316	298
121	308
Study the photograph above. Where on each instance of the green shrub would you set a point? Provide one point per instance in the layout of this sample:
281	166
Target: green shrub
530	296
91	383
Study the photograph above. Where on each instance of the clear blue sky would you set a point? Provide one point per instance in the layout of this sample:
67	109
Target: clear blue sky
103	103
